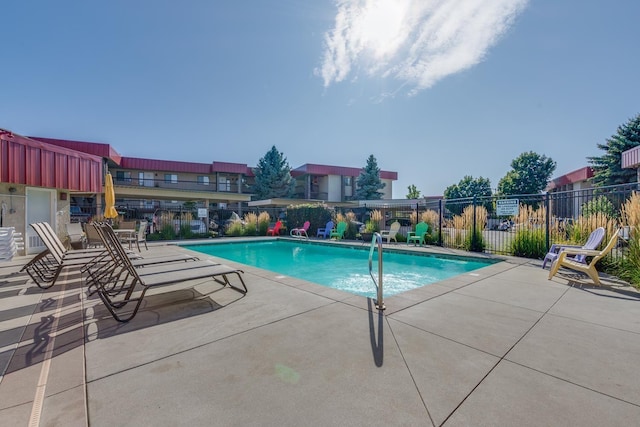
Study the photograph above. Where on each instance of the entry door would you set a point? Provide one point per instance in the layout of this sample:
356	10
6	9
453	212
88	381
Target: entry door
40	207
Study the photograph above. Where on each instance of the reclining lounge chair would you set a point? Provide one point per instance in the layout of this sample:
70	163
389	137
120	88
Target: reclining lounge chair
123	290
45	267
592	243
565	261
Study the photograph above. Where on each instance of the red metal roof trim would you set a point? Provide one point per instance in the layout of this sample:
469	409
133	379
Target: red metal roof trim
314	169
164	165
631	158
36	163
94	148
229	167
579	175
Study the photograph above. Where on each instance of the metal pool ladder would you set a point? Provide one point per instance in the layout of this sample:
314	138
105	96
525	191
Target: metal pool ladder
376	240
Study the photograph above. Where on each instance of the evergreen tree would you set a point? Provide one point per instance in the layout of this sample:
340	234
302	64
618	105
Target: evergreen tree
368	183
608	167
530	174
273	176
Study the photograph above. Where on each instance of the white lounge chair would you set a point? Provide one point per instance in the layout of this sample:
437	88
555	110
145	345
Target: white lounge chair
589	269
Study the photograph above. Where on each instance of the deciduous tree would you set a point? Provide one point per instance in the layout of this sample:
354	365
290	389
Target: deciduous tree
530	172
413	193
469	187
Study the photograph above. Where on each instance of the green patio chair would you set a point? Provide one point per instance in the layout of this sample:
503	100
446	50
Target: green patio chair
418	236
338	233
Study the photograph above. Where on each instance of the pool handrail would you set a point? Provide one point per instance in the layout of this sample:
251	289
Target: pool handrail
376	240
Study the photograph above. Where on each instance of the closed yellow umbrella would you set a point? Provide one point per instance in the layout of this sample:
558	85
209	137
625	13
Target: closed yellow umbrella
109	198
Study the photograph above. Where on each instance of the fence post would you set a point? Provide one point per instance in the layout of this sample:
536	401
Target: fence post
440	222
547	215
474	241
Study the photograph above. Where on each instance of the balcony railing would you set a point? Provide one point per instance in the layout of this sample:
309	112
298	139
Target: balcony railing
184	185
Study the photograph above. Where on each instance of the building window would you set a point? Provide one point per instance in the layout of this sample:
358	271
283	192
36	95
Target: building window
123	176
203	180
170	178
347	181
141	179
224	184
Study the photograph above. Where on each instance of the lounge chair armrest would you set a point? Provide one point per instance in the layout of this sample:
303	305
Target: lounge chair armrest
557	247
578	251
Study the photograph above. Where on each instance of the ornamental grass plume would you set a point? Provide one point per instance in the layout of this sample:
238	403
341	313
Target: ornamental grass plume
529	240
629	267
373	224
263	223
413	218
431	217
583	226
250	224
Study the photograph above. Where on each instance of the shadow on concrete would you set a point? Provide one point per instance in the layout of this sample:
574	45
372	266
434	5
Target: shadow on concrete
377	346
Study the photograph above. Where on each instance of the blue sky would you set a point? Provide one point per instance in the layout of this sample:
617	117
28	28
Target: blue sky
435	90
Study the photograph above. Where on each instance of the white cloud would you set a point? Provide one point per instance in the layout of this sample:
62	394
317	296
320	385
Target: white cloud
417	42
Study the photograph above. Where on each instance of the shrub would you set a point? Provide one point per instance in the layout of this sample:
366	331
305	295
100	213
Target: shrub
316	213
167	232
352	229
432	218
185	231
529	243
629	267
251	224
599	206
583	226
235	229
529	240
373	224
463	234
263	223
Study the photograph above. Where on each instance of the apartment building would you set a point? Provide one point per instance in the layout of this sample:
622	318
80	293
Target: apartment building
71	173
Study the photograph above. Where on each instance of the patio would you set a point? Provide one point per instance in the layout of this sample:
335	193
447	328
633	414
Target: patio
500	346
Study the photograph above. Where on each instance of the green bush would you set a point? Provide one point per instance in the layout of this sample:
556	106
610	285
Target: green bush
599	206
167	232
263	223
317	214
628	268
185	231
474	242
153	237
351	233
529	244
235	229
251	229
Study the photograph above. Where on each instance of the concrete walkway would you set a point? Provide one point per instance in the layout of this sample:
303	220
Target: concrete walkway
501	346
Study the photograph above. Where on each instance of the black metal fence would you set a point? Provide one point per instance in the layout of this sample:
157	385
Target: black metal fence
489	224
522	225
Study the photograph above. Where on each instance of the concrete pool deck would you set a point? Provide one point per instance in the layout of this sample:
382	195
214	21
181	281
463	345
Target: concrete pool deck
500	346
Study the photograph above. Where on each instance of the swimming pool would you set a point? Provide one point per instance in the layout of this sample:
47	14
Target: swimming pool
341	267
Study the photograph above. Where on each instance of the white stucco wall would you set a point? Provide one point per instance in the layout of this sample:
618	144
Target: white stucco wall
334	188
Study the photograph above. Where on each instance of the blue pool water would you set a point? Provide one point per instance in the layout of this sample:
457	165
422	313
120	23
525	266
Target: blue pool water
343	268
